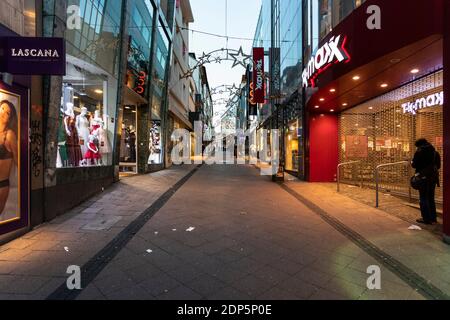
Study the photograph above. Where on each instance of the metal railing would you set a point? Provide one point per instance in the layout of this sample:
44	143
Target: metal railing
339	173
377	178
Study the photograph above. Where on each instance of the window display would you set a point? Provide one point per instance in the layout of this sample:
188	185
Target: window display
155	144
292	147
9	155
128	151
83	137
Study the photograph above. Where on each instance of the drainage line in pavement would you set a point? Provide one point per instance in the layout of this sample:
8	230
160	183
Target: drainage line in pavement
413	279
97	263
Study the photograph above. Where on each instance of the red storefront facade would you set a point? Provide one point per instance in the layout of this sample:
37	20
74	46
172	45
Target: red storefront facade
357	62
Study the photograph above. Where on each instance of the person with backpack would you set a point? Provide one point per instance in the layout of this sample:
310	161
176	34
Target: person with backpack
427	162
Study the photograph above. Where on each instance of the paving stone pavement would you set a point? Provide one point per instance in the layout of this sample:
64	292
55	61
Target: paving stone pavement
228	233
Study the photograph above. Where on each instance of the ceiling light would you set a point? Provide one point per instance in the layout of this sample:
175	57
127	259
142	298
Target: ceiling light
414	71
98	91
322	99
356	78
384	85
332	110
332	90
370	108
75	97
345	104
317	107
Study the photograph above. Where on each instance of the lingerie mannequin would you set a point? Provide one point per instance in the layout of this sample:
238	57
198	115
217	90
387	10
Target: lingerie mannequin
82	124
72	139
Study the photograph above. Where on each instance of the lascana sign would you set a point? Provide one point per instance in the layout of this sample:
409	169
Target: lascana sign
33	56
433	100
331	52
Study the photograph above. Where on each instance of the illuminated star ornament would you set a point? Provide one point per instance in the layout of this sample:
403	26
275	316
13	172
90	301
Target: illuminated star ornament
240	58
205	58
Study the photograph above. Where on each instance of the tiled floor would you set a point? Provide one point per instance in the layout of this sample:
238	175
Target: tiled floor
228	233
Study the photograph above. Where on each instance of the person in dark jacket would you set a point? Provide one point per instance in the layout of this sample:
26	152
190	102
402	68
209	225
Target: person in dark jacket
427	162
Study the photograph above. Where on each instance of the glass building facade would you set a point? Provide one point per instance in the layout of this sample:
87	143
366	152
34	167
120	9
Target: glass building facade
89	95
280	32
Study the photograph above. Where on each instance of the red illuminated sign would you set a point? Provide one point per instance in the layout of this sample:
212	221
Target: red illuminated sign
330	53
258	75
140	88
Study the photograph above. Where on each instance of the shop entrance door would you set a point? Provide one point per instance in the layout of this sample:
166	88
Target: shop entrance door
128	143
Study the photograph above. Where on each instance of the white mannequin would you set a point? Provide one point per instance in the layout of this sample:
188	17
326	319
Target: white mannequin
69	113
97	123
82	124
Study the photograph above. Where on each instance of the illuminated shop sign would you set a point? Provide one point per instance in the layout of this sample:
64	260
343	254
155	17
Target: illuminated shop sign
433	100
33	56
258	75
330	53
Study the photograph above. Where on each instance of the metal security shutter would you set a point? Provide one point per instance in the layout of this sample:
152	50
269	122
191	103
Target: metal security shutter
389	134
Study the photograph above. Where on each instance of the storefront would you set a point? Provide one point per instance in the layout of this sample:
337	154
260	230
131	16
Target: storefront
14	159
366	108
20	142
383	130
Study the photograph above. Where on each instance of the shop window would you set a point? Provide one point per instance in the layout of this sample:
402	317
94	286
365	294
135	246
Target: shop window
85	129
128	145
155	143
292	147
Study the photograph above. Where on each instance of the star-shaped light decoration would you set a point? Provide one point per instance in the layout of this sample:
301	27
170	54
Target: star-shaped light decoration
233	89
205	58
218	59
240	58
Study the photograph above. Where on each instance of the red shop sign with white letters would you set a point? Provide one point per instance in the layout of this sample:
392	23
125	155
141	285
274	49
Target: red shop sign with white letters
258	75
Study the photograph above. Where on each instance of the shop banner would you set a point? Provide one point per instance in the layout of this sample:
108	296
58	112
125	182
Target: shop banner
33	56
258	75
14	162
275	83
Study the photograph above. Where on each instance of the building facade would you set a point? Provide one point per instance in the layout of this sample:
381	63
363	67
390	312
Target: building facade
103	117
21	177
179	84
351	106
280	33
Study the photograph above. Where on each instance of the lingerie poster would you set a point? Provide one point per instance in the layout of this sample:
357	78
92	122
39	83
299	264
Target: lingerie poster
13	159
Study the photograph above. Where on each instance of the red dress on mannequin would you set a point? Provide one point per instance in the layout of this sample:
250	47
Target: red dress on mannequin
91	155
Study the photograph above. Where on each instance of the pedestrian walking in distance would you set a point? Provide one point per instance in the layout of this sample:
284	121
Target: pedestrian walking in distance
427	162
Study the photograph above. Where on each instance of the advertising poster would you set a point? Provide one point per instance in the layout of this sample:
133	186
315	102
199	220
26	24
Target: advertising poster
13	159
357	146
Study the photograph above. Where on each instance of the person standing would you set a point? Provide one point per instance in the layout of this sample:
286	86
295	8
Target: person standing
427	162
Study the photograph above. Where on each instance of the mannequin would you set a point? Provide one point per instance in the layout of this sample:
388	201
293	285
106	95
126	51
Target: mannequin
132	143
93	155
72	139
82	124
97	123
123	145
101	133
